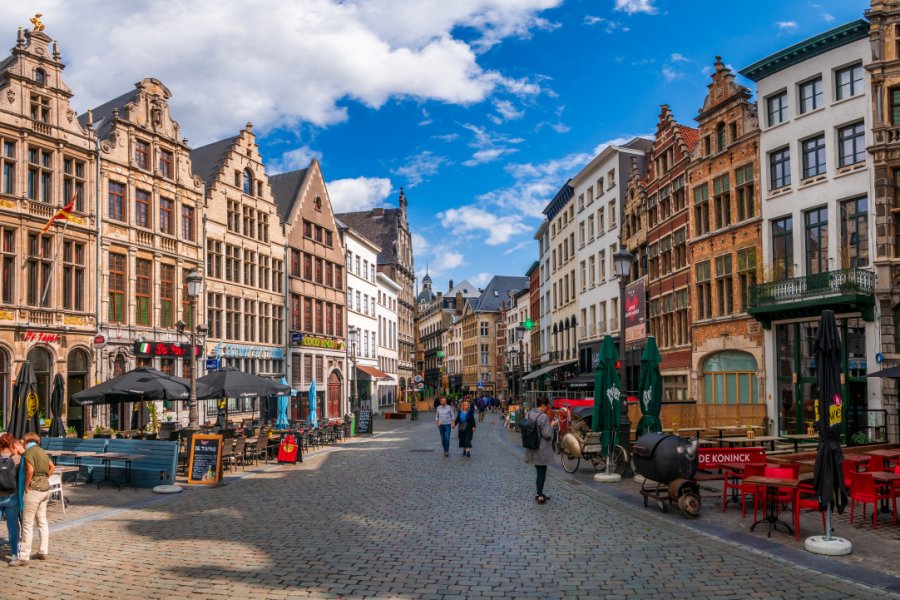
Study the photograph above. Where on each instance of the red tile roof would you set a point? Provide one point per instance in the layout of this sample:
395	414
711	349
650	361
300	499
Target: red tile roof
690	136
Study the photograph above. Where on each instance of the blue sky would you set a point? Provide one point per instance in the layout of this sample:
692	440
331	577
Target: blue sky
481	109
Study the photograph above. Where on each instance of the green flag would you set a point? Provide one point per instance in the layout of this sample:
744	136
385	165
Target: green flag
650	389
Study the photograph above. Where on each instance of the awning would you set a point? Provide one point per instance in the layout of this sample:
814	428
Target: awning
373	372
585	380
545	370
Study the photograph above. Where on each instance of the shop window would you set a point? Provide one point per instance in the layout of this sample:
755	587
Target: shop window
730	378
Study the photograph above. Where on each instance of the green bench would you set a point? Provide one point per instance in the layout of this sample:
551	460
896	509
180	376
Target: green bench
86	464
158	458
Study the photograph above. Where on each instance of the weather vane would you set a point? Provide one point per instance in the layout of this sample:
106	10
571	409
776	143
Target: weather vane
36	21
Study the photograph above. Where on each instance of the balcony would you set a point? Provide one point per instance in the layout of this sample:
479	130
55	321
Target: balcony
845	291
41	127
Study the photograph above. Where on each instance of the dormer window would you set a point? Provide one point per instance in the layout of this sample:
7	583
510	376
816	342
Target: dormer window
248	182
318	204
40	76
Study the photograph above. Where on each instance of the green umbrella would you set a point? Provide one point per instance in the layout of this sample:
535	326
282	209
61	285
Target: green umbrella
650	389
607	395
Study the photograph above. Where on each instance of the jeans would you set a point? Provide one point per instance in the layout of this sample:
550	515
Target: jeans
541	477
445	436
9	506
35	510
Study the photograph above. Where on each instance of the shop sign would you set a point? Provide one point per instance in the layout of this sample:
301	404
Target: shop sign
70	320
297	339
635	312
168	349
245	351
100	341
312	341
212	364
41	336
709	458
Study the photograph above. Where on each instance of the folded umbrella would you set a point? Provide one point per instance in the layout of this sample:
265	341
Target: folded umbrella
25	403
57	429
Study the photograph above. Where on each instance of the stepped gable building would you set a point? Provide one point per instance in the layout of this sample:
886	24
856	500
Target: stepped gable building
389	229
316	298
151	238
668	271
245	260
727	344
386	312
884	70
48	282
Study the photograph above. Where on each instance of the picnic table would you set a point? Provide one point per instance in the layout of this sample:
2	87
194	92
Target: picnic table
772	485
800	437
108	458
743	440
723	428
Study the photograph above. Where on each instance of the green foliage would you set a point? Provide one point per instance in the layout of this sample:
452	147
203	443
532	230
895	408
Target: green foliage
859	438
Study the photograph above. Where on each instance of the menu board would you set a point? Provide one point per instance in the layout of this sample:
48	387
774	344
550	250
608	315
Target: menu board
365	421
205	466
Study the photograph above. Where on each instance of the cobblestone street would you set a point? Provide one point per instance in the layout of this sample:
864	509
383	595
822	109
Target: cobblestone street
392	518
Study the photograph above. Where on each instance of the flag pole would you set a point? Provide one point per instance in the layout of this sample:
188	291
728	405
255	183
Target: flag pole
66	213
53	264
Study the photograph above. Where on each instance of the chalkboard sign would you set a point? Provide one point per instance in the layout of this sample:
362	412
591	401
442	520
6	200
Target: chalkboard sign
365	421
205	466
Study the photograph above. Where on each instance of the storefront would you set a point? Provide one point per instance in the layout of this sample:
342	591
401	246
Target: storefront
265	361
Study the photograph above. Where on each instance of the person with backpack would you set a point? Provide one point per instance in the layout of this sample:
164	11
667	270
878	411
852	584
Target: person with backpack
537	435
481	404
465	423
9	490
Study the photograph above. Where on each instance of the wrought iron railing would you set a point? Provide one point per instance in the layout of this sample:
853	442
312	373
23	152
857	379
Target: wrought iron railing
830	283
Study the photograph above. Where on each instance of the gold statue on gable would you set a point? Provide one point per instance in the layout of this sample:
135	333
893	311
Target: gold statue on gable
36	21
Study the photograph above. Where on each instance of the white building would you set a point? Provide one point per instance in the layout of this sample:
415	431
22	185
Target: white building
386	352
517	346
814	109
362	322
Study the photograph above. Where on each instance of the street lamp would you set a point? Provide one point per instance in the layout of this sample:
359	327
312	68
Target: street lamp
194	285
622	261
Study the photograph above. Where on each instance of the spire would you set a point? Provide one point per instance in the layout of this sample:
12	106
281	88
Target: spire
403	202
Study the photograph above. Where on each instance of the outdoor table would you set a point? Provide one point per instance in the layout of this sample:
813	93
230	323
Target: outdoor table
65	469
76	457
746	440
736	469
684	430
107	458
723	428
891	454
800	437
885	478
772	484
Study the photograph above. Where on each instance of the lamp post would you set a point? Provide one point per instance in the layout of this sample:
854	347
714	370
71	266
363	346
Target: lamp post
194	284
622	261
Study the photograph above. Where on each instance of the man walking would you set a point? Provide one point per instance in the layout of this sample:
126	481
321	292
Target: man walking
443	416
481	405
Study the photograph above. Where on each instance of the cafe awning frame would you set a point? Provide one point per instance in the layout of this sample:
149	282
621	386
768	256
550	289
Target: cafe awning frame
373	372
545	370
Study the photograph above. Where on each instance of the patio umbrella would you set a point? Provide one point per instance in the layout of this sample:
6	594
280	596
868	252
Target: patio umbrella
283	401
23	416
232	383
57	429
313	419
828	479
889	373
650	390
142	383
607	401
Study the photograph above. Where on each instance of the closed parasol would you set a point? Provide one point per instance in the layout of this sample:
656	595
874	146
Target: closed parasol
651	389
57	429
25	403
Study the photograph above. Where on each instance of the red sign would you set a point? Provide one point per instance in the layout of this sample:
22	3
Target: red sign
287	450
41	336
711	458
164	349
100	340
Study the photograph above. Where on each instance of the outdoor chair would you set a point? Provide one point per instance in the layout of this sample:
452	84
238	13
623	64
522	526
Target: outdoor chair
261	449
240	445
56	488
227	454
849	469
742	488
785	494
866	492
876	463
806	499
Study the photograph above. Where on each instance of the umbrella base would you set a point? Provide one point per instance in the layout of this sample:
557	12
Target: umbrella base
836	546
167	489
607	478
639	479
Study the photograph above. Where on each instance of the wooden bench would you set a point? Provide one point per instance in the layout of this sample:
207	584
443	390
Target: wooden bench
86	464
158	457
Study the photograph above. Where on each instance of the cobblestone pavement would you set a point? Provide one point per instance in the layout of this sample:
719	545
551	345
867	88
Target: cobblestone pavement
393	518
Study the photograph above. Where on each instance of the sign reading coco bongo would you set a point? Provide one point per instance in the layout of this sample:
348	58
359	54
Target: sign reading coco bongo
314	341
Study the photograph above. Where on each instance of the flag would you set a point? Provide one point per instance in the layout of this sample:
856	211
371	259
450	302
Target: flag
64	213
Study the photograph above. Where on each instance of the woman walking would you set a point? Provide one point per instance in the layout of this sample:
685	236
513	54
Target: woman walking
543	455
465	423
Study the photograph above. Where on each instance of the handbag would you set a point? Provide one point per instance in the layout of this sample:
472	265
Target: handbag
464	425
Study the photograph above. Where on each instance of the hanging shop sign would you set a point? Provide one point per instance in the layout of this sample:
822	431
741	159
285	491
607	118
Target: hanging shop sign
313	341
100	341
635	312
168	349
245	351
41	336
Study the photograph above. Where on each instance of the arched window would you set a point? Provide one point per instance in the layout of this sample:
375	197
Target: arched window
42	365
248	182
40	76
119	366
730	378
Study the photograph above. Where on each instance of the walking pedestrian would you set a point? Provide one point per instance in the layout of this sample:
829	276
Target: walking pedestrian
465	423
443	416
481	404
38	469
543	455
9	490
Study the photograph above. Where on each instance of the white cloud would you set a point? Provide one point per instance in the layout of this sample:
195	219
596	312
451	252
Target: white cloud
298	158
786	25
608	25
359	193
671	74
471	219
420	244
678	57
306	59
487	155
636	6
828	18
506	112
480	280
489	146
447	137
447	261
419	167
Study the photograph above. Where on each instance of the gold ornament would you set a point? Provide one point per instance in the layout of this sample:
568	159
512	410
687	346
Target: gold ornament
31	403
36	21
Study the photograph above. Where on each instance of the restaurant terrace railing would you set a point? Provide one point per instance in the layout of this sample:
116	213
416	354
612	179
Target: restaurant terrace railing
830	283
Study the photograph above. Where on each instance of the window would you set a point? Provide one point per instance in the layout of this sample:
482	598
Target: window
851	145
779	168
187	223
166	215
116	201
142	287
722	201
73	275
746	267
247	182
250	320
319	271
141	155
810	95
590	228
854	233
318	204
600	225
848	81
707	146
214	314
813	156
665	255
307	267
234	216
142	208
186	312
816	240
73	182
338	277
721	142
743	191
232	318
776	106
680	243
39	270
895	106
167	296
653	260
8	266
296	304
40	108
730	378
40	175
612	214
166	164
307	229
591	269
40	76
483	329
701	209
213	259
652	211
117	282
232	263
263	227
783	248
724	286
319	316
8	160
249	221
679	196
704	293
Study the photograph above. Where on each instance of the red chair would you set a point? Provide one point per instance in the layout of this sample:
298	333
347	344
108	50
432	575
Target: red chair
849	469
866	492
742	488
876	463
785	494
805	499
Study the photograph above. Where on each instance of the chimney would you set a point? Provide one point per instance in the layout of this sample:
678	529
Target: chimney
450	285
459	301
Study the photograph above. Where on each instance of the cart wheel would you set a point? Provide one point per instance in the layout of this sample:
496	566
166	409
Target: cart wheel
598	462
619	460
664	507
569	463
689	503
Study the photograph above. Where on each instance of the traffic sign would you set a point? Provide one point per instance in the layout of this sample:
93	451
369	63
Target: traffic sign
418	379
420	386
480	384
212	364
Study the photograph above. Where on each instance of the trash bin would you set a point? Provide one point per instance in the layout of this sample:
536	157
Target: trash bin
353	426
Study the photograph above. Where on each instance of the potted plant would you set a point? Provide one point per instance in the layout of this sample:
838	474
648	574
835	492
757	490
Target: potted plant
71	432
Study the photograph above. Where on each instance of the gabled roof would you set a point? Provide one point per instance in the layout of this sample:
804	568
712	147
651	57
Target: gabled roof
103	114
690	136
466	288
285	189
379	225
207	160
497	292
